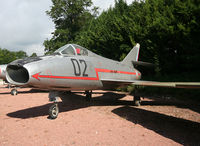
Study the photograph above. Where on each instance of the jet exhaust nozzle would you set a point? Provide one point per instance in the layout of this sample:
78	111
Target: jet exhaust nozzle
16	74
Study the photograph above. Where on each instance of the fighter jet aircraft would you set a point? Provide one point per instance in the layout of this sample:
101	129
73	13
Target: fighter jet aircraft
5	82
3	71
73	67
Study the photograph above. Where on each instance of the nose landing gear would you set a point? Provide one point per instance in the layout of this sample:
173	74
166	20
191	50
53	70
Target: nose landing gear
53	97
54	109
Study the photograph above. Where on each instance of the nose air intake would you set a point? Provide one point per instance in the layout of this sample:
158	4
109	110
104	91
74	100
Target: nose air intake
17	74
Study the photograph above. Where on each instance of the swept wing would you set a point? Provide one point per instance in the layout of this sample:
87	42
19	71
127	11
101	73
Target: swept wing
153	83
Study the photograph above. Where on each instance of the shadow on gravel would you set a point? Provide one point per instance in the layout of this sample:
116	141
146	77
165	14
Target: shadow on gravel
180	104
31	112
182	131
4	93
72	102
26	92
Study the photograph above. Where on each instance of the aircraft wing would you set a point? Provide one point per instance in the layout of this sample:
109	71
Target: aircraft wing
154	83
168	84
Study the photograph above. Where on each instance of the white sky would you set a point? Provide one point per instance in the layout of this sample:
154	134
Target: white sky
24	24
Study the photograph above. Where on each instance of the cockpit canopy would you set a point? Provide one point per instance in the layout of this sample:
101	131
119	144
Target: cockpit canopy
71	50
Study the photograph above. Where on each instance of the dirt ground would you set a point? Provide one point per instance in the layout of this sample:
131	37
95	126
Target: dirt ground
109	119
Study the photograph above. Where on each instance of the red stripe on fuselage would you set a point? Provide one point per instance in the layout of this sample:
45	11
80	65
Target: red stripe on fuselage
114	71
64	77
97	70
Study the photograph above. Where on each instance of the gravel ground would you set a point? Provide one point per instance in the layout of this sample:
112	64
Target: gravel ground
109	119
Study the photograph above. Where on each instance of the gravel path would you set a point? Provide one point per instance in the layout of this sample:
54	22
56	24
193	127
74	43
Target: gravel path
109	119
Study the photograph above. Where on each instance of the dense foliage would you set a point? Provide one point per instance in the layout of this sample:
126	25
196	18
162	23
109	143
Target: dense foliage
167	30
7	56
69	16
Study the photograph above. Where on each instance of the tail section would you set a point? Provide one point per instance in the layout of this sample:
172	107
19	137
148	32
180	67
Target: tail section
133	55
132	58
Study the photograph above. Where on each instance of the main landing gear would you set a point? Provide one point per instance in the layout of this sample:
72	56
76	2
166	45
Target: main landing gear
137	100
88	95
137	97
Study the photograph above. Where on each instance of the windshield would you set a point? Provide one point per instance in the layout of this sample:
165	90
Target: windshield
65	50
71	49
80	50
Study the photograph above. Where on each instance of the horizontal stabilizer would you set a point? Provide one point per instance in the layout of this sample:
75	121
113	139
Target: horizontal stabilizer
153	83
140	63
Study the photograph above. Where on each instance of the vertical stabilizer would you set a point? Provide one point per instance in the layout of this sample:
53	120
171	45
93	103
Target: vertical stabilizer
133	55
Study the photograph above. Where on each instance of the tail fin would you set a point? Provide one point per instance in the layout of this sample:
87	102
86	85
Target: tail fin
133	55
132	58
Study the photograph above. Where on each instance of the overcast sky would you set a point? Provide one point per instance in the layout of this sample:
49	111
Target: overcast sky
24	24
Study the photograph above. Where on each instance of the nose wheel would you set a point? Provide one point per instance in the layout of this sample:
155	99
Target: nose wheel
53	111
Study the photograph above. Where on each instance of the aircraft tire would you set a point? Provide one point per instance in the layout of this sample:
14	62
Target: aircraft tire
14	92
137	101
53	111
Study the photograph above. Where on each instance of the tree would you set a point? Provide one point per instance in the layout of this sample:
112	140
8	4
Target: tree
20	54
106	35
7	56
167	30
34	55
69	16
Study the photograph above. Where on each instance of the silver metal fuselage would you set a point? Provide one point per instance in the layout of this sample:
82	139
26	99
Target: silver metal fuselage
3	71
69	72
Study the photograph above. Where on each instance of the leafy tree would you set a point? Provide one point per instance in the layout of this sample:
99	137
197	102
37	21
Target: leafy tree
167	30
34	55
7	56
20	54
69	16
171	27
105	35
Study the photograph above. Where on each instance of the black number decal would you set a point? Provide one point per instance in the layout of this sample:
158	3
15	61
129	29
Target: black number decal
77	68
85	67
75	62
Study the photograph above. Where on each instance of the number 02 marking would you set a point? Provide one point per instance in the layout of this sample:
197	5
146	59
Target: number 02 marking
77	68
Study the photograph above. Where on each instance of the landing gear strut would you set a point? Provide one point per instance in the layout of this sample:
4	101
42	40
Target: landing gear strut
137	97
137	100
88	95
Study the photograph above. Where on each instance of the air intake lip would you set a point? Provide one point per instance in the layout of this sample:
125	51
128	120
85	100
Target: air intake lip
21	62
17	74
